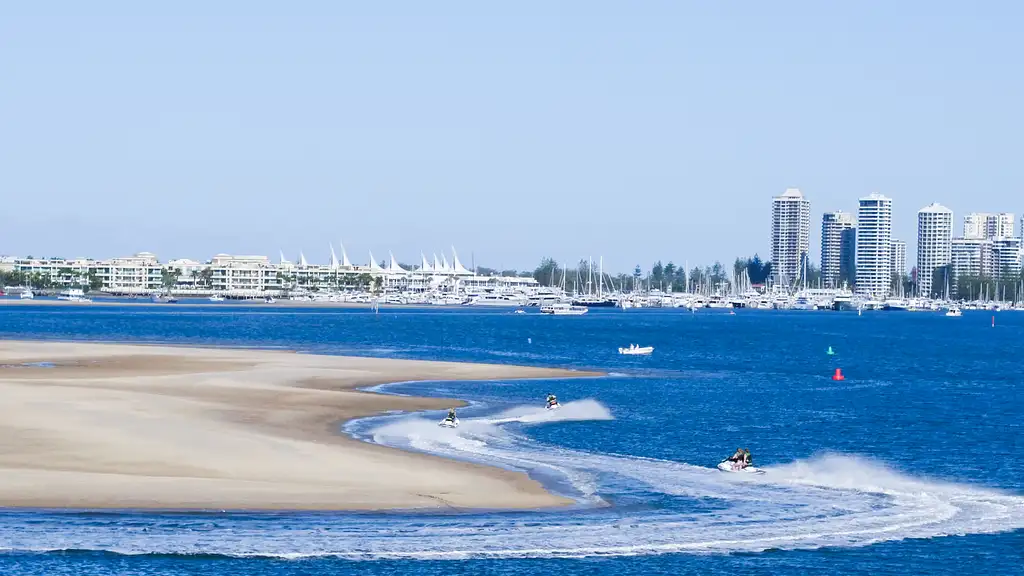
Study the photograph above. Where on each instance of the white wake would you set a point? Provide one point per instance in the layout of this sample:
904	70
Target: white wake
831	500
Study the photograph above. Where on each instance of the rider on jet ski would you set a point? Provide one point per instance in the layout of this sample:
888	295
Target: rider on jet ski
552	400
741	458
451	415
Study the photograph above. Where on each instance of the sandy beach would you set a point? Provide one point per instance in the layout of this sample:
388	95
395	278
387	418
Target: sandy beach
122	426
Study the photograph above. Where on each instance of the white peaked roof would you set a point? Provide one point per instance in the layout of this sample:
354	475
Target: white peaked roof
437	265
457	266
374	267
334	258
302	259
393	264
283	260
444	264
344	256
424	265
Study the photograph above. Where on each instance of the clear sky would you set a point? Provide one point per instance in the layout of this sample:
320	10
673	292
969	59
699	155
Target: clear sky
633	130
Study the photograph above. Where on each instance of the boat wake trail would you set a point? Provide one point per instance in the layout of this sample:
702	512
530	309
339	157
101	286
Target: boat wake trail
830	500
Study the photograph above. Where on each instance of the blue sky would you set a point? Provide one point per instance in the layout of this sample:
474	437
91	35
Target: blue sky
637	131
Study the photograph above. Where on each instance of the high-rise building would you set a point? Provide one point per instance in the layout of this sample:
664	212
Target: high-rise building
986	226
838	242
791	236
1006	258
874	245
934	244
971	258
898	257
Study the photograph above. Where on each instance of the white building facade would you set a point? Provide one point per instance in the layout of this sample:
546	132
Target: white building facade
252	276
874	246
934	245
791	236
898	257
988	226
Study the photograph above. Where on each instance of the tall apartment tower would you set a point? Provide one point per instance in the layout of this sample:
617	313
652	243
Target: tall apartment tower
874	246
934	244
986	226
838	242
899	258
791	236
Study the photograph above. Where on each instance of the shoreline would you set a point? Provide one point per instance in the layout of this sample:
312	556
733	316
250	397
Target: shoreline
164	427
231	304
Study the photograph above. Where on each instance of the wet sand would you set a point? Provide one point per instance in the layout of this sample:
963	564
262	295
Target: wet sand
123	426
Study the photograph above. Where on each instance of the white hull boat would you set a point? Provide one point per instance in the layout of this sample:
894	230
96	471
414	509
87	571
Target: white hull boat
735	468
449	423
635	350
561	309
954	313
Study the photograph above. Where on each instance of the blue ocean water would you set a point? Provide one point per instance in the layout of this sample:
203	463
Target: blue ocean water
907	466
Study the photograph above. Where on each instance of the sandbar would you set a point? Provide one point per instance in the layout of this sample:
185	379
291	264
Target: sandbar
87	425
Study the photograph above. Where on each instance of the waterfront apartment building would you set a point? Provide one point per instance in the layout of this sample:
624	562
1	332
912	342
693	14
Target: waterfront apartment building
934	245
838	248
1006	258
874	246
971	257
898	257
791	236
251	276
988	226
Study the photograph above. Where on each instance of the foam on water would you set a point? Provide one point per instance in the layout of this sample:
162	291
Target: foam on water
830	500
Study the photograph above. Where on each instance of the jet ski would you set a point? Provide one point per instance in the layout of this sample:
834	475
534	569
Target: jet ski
449	423
737	468
553	405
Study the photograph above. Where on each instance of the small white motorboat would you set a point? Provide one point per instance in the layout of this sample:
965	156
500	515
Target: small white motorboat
954	312
637	350
737	468
449	423
216	298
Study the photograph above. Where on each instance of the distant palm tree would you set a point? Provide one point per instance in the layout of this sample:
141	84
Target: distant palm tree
169	278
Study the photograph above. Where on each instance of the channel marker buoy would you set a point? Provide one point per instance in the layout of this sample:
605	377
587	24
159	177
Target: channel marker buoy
829	351
838	375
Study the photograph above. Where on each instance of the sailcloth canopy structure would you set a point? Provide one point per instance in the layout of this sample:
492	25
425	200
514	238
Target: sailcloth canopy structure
344	256
374	267
424	265
393	264
334	258
457	266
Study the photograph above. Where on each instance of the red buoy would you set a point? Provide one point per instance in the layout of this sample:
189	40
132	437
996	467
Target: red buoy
838	375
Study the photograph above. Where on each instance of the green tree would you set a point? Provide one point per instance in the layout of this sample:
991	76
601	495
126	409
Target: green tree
169	277
95	283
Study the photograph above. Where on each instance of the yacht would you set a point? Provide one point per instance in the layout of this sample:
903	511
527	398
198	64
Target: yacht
216	298
562	309
27	294
955	312
843	303
594	302
73	295
498	300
